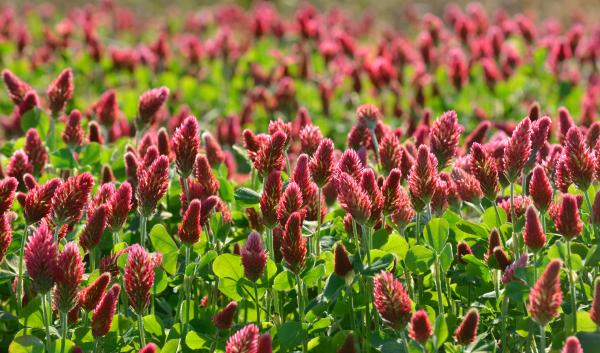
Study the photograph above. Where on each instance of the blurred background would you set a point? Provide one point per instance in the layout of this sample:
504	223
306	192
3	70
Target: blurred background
392	12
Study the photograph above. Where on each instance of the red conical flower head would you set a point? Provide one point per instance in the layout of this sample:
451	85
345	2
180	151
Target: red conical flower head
467	330
138	278
103	314
444	137
420	327
391	300
68	275
254	257
533	235
546	296
243	341
186	141
566	218
293	244
90	296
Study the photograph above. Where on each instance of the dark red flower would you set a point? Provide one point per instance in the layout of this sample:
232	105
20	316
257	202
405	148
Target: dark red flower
18	166
8	187
566	218
369	185
186	141
138	278
94	133
403	212
467	330
293	244
152	185
390	153
353	199
107	108
484	168
254	257
94	228
494	241
422	179
264	344
15	86
477	135
517	150
119	206
190	230
467	186
368	116
533	235
420	327
41	258
38	201
501	258
342	265
391	300
444	137
350	163
310	139
103	314
546	296
68	275
269	200
205	177
70	199
5	234
290	202
270	156
243	341
35	150
90	296
540	189
73	133
224	318
579	160
60	91
213	150
390	190
149	104
463	249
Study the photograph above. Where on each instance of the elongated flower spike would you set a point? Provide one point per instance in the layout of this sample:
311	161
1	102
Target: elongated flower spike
595	307
517	150
270	197
70	199
41	258
291	201
565	123
463	249
73	133
264	344
420	327
540	189
190	229
270	156
107	108
37	203
8	187
243	341
533	235
60	91
403	212
467	330
68	275
351	164
152	185
353	199
579	160
484	168
224	318
390	153
254	257
35	150
444	137
422	179
293	244
369	185
138	278
96	224
119	207
18	166
566	217
94	133
467	186
103	313
572	345
494	241
301	174
390	190
15	86
90	296
5	234
501	258
186	142
391	300
368	116
310	139
213	150
321	163
205	177
150	103
546	296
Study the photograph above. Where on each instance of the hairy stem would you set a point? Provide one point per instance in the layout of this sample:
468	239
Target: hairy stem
572	285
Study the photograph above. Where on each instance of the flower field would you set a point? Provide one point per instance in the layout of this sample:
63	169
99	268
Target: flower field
248	181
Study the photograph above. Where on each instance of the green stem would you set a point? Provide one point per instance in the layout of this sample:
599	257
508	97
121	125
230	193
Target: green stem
51	132
186	189
498	221
63	331
115	239
92	255
143	231
366	231
349	291
504	318
301	309
543	219
46	317
186	286
20	278
572	286
375	145
56	231
418	225
513	220
319	220
356	243
404	341
535	272
141	331
438	286
589	204
542	339
257	305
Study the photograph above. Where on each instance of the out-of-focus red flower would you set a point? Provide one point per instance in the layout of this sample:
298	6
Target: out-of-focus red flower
572	345
60	91
254	257
107	108
517	150
467	186
342	265
467	330
35	150
149	104
8	187
546	296
533	235
18	166
566	217
224	318
420	327
186	141
595	307
17	89
213	150
293	244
